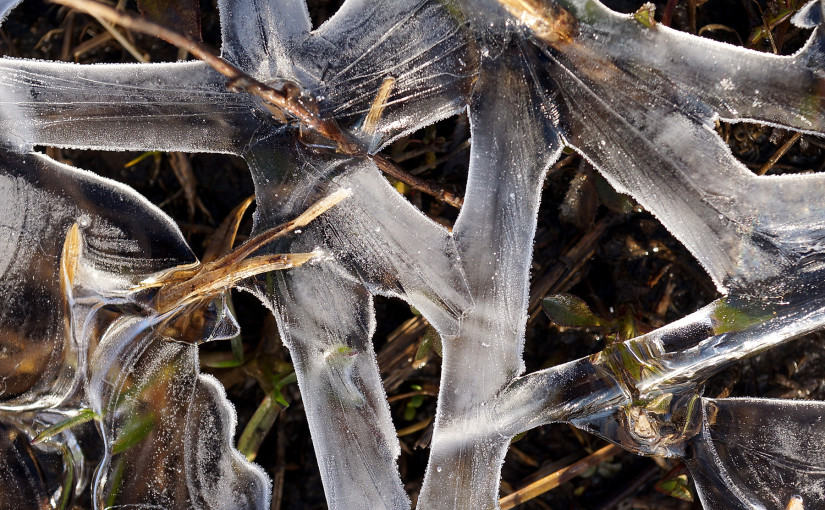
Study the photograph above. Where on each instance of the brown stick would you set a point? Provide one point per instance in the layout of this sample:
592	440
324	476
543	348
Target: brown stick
778	154
553	480
287	98
393	170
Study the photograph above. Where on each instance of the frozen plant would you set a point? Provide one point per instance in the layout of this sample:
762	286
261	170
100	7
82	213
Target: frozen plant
309	110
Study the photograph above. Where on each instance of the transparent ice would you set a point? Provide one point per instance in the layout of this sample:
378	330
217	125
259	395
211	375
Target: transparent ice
637	100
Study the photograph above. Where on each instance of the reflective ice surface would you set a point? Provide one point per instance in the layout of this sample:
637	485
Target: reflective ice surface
635	99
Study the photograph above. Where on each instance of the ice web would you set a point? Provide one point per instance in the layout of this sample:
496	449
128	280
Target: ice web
633	97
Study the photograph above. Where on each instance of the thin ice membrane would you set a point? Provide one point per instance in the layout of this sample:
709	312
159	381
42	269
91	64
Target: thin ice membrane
759	453
125	236
168	430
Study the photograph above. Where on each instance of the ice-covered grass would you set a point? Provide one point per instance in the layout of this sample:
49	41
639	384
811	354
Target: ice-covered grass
636	99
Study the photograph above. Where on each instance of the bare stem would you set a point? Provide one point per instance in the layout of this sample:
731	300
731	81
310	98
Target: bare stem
287	98
557	478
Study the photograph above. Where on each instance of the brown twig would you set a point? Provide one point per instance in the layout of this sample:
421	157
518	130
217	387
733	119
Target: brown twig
287	98
778	154
667	15
388	167
553	480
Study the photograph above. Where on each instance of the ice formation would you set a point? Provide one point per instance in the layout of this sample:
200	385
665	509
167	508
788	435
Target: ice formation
633	97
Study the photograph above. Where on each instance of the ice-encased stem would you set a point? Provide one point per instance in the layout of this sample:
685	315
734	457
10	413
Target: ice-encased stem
352	431
675	358
494	236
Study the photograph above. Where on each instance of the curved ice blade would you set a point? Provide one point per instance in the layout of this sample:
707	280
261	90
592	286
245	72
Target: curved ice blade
171	107
125	239
640	133
759	453
6	6
260	36
327	322
376	235
419	51
709	77
493	234
168	430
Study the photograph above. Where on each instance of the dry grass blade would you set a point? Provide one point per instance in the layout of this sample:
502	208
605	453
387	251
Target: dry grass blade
69	258
224	236
378	105
553	480
215	280
182	168
315	210
188	284
128	46
415	427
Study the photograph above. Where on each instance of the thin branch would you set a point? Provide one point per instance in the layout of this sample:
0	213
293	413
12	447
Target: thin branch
553	480
128	46
287	98
388	167
779	153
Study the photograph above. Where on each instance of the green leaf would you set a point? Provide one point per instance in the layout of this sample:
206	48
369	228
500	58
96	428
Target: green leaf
259	425
431	341
660	404
645	15
730	316
83	416
67	486
568	310
676	486
612	199
134	430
